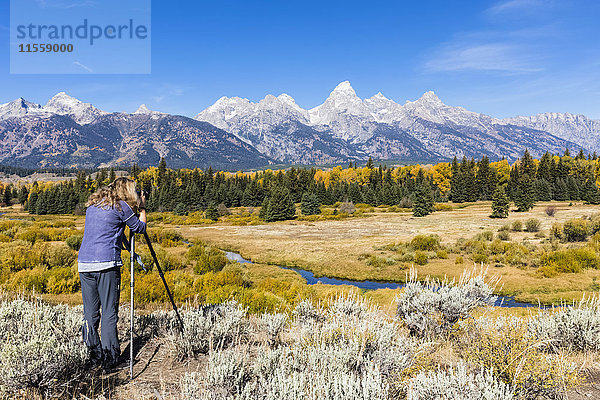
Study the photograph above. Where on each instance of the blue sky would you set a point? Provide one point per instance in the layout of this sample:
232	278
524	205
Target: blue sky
502	58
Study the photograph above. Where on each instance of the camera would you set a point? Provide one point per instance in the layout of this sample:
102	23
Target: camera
142	193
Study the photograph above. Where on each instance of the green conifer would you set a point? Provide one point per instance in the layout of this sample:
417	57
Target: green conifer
211	212
500	203
310	204
281	206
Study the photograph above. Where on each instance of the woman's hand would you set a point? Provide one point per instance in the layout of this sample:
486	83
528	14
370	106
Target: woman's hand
142	205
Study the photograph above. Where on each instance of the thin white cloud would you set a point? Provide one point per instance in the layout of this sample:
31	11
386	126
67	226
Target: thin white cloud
88	69
491	56
516	5
67	4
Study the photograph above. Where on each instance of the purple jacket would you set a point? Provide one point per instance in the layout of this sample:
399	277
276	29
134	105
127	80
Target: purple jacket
102	233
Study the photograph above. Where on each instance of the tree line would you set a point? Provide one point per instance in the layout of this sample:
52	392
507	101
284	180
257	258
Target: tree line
552	177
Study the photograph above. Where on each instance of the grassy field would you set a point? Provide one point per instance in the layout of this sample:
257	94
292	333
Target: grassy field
339	248
342	248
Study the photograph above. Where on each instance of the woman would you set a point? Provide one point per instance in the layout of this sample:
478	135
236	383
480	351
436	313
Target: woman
99	264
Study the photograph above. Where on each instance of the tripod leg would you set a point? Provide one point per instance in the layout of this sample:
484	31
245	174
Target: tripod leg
162	276
131	284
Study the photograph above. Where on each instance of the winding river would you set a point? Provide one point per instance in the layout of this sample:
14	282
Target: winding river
501	301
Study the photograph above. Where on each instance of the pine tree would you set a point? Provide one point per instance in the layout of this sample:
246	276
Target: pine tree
500	203
455	183
211	212
310	204
32	203
591	194
23	194
112	176
524	192
370	163
7	195
264	209
180	209
423	197
281	206
134	171
162	171
485	179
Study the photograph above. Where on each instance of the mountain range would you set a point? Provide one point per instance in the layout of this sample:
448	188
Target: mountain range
236	133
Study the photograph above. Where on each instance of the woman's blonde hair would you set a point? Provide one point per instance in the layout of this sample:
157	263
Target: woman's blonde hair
108	196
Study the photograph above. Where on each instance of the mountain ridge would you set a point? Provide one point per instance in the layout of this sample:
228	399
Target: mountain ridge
235	132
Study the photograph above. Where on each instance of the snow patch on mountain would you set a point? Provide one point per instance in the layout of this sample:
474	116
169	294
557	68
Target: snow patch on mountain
19	108
573	127
82	113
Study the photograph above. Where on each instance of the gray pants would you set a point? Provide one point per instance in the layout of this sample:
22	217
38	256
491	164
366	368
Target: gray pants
101	290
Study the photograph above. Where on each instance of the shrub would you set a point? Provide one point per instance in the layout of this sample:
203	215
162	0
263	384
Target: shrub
458	384
556	231
503	235
273	325
442	207
165	237
485	236
379	262
347	207
425	242
459	260
569	260
505	227
215	326
40	349
306	313
28	280
576	327
348	352
62	280
532	225
223	210
480	258
594	224
550	211
405	202
575	230
517	226
74	241
441	254
207	258
420	257
61	256
226	374
434	306
504	347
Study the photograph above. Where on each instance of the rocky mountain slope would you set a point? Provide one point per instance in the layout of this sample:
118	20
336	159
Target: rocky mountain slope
379	127
575	128
68	133
237	133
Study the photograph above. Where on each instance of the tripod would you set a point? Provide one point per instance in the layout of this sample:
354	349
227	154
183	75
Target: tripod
132	284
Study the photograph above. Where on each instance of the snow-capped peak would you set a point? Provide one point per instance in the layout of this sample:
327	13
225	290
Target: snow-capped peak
344	88
18	108
62	99
286	98
429	98
63	104
379	96
143	109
